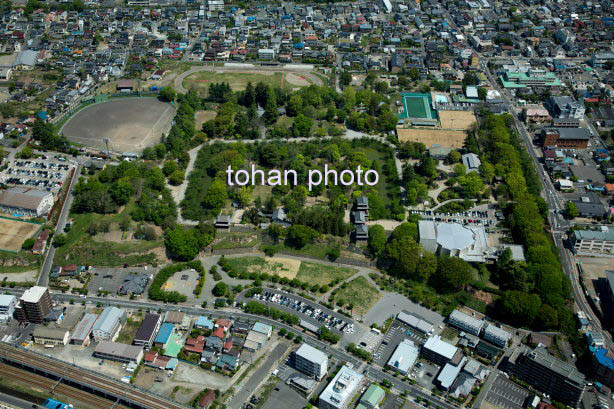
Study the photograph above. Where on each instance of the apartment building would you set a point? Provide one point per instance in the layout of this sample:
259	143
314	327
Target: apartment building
34	305
465	322
561	380
311	362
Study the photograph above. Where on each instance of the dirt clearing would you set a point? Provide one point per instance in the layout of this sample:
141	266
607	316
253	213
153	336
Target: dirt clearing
14	232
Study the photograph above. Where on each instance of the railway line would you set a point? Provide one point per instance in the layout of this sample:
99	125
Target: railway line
84	380
46	384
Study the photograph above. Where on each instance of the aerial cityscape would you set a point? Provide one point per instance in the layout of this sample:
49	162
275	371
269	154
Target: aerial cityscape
382	204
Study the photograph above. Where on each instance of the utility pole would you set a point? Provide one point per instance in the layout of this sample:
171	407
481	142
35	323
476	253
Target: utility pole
106	141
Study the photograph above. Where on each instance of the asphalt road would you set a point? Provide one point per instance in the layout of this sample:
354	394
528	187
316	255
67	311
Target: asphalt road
9	401
254	380
43	279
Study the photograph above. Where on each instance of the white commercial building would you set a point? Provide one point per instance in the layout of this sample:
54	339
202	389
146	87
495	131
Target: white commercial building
108	325
591	241
25	200
437	350
311	361
7	306
339	392
465	322
404	357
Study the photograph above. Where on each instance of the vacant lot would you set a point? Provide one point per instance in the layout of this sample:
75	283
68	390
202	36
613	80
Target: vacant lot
128	332
14	232
200	117
131	124
183	282
457	119
430	137
237	80
232	240
312	273
360	294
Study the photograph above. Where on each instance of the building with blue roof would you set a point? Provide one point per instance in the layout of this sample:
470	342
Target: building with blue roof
204	322
56	404
164	335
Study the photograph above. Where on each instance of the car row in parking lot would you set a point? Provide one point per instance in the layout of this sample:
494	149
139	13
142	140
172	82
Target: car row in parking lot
41	165
326	319
48	184
36	173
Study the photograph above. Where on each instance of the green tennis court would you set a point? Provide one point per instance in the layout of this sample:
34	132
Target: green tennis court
417	106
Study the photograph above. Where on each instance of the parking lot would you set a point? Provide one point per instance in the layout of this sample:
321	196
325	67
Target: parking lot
397	333
283	396
425	373
393	402
183	282
506	394
309	311
36	173
111	279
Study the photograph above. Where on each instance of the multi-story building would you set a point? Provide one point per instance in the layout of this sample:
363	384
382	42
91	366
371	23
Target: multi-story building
465	322
311	362
404	357
440	352
7	306
147	331
532	77
109	324
591	241
576	138
496	335
34	305
602	362
339	392
561	380
565	107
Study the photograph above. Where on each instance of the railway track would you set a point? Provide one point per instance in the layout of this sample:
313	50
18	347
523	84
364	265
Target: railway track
128	395
46	384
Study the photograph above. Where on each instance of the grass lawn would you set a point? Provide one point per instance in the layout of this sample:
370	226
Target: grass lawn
449	333
236	240
382	186
312	273
321	274
81	249
128	332
237	80
18	262
360	293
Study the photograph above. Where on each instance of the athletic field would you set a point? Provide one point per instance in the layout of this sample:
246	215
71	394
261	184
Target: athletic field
417	106
14	232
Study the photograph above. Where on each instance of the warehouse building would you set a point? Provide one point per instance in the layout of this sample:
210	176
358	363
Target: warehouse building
465	322
179	319
83	330
109	324
415	322
118	352
164	335
440	352
51	336
25	200
339	392
561	380
311	361
496	335
147	331
372	397
404	357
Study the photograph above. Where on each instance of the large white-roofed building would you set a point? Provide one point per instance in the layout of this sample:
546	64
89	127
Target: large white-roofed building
404	357
453	239
339	392
437	350
311	361
415	322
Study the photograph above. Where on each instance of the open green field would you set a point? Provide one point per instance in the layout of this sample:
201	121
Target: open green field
237	80
233	240
82	249
359	293
304	271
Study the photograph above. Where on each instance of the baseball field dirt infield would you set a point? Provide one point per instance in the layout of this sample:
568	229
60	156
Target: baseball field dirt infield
14	232
131	124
